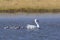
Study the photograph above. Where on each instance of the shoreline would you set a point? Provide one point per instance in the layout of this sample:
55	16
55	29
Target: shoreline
30	10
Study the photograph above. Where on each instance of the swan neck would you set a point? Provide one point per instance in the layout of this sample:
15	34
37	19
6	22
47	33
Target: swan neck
37	24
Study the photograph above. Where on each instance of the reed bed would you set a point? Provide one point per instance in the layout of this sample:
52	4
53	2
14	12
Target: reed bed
29	5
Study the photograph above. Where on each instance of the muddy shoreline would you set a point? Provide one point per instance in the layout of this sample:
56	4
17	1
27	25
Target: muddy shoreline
30	10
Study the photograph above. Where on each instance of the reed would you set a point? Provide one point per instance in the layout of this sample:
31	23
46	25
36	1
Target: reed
29	5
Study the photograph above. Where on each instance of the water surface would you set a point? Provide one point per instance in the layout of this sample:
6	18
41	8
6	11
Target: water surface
49	26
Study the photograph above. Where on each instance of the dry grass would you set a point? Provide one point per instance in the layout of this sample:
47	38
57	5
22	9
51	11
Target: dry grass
33	4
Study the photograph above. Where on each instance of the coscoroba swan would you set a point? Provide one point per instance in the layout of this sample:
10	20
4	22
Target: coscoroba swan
33	26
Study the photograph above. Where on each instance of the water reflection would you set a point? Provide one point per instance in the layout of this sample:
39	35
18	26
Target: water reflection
29	15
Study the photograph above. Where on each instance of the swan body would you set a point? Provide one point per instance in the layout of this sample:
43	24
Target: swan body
33	26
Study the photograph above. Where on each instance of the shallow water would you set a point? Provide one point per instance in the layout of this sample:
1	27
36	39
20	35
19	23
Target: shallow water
49	26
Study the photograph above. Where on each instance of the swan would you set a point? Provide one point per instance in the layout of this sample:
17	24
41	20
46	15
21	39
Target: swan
33	26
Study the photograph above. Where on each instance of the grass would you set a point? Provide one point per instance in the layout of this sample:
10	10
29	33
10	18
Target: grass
29	5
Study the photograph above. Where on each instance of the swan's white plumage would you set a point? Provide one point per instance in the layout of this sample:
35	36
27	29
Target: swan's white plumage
33	26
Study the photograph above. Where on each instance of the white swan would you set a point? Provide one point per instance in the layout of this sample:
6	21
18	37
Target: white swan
33	26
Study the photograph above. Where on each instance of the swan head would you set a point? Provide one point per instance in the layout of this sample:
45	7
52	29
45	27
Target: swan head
36	20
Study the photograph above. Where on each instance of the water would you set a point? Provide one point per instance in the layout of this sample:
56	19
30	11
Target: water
49	27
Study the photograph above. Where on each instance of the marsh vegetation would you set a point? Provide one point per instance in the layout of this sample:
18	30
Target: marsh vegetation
29	6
